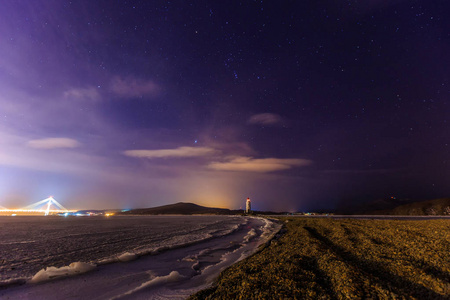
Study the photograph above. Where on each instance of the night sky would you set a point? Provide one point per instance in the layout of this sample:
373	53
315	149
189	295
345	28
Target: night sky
298	105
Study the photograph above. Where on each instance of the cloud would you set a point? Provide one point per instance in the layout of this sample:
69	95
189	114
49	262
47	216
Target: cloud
53	143
90	93
178	152
132	87
266	119
262	165
66	163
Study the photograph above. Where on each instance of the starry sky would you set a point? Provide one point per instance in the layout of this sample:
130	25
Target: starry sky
299	105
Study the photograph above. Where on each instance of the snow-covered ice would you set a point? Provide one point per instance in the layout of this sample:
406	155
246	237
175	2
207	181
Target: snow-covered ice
154	263
50	273
127	256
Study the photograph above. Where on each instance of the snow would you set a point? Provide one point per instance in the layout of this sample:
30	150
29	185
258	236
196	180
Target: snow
9	282
97	239
159	280
250	235
127	256
174	273
70	270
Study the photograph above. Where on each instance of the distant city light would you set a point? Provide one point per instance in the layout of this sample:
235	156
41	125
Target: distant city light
38	208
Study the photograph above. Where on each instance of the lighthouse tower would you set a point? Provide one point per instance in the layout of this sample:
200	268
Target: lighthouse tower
248	206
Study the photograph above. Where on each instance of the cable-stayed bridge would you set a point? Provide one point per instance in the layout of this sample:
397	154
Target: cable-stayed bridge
48	206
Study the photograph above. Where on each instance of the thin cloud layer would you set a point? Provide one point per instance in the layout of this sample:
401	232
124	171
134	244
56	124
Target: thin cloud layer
266	119
90	93
133	87
262	165
53	143
178	152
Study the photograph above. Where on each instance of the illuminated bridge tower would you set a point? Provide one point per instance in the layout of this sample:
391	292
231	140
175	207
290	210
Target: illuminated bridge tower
46	203
248	206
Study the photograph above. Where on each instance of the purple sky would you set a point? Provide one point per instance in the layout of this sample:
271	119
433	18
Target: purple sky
296	104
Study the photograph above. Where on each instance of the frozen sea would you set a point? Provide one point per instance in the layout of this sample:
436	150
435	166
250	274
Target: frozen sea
141	257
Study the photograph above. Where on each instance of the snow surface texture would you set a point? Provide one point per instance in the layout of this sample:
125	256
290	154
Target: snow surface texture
251	234
175	273
29	244
127	256
172	277
70	270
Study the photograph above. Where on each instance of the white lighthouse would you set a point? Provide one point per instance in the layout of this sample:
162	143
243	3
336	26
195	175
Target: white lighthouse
248	206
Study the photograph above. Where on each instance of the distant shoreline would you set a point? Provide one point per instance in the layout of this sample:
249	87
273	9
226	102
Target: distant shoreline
373	217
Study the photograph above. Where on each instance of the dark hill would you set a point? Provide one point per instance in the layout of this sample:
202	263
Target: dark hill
180	208
354	208
422	208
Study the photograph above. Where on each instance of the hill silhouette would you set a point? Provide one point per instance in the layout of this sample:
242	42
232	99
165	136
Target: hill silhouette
181	208
422	208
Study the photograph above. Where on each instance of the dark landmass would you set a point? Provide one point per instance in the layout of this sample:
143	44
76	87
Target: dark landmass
318	258
394	206
354	208
180	208
436	207
391	206
183	208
